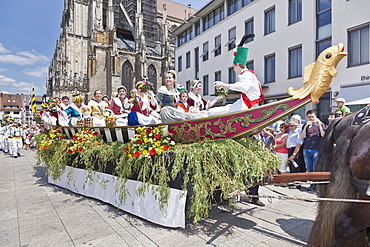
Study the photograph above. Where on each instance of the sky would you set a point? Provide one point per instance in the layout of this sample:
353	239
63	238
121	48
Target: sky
29	30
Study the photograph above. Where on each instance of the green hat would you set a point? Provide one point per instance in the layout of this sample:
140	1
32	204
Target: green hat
241	55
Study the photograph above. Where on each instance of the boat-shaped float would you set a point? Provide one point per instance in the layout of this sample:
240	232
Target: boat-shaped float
234	125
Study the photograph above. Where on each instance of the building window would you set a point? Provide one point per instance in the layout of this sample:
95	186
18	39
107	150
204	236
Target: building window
127	76
232	37
270	20
187	85
295	62
249	28
152	75
323	19
233	6
185	36
214	17
205	85
358	45
219	14
217	49
218	75
250	65
179	63
322	45
295	11
188	59
246	2
196	62
232	75
205	52
270	68
197	28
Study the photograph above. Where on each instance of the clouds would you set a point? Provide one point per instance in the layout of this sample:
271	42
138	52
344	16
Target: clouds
40	72
22	86
2	49
20	69
6	80
22	57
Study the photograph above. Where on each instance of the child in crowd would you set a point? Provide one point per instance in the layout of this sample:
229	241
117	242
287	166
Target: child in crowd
183	105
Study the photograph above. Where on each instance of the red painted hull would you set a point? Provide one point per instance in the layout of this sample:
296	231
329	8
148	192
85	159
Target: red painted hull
234	125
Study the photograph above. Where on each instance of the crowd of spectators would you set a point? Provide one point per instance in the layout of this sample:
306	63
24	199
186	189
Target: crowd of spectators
297	142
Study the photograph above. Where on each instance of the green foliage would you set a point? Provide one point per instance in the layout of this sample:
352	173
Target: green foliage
206	168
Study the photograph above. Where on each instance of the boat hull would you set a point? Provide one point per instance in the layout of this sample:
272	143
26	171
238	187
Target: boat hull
234	125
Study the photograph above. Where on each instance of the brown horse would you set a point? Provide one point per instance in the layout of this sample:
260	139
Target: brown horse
345	152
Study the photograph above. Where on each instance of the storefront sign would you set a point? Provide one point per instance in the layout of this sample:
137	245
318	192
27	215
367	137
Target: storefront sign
365	77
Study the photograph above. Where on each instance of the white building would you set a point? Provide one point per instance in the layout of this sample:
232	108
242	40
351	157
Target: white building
289	34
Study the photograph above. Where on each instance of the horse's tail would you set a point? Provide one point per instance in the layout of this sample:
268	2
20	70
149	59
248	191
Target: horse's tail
340	187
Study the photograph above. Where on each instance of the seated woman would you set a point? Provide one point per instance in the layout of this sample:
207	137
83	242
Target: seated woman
120	106
168	94
98	107
144	107
195	98
75	112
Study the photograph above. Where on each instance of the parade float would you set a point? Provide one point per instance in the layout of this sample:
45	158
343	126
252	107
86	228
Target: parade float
166	173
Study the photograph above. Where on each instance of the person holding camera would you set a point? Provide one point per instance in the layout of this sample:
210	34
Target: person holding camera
312	133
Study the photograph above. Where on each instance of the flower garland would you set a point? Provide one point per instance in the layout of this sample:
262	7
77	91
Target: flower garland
83	139
148	142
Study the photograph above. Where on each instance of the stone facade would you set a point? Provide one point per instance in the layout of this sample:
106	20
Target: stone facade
103	44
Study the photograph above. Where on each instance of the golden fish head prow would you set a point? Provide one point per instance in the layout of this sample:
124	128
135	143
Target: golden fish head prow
332	55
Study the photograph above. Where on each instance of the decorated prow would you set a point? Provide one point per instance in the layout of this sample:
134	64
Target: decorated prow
318	75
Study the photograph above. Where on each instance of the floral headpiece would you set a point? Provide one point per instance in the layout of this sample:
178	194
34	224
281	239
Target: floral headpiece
146	86
78	99
75	93
45	106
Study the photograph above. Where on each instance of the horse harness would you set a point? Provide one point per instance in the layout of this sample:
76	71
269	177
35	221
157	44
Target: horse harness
362	117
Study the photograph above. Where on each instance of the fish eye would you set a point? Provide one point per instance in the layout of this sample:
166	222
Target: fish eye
328	56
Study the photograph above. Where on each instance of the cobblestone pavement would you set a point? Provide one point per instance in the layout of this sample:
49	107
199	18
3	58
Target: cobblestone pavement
35	213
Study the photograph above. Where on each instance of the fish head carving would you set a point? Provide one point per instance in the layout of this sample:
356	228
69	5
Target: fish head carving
332	55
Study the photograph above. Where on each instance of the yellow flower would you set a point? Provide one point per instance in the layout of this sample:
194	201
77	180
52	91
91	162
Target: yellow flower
146	140
159	151
140	129
129	155
158	143
145	152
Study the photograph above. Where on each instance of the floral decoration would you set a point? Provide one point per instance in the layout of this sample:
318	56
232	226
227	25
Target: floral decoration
110	120
149	142
53	104
82	140
222	92
52	136
146	86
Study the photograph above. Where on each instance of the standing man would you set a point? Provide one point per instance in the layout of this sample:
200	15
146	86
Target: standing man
312	133
247	84
2	136
341	107
16	132
294	143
